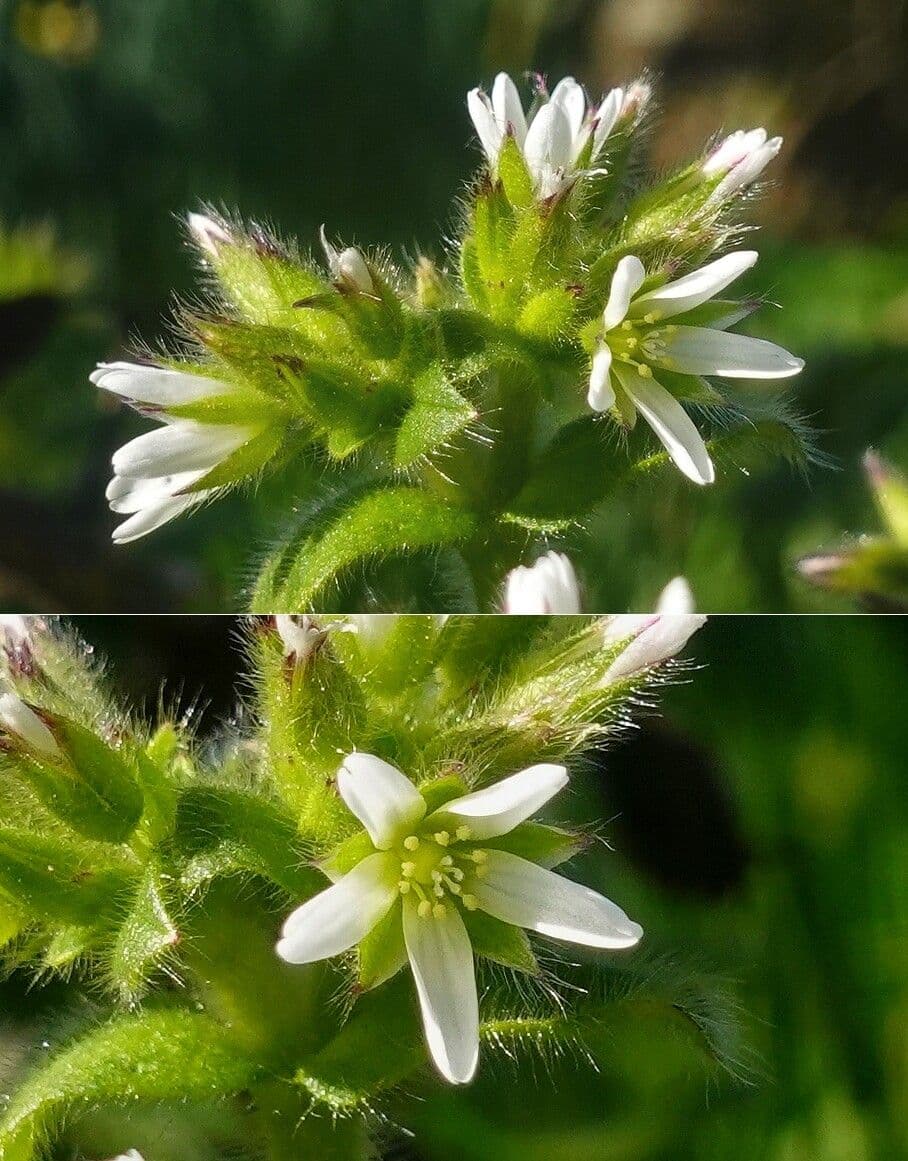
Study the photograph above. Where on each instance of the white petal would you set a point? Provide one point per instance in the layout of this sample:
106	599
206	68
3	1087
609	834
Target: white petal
676	597
156	385
626	281
548	586
699	286
622	626
671	423
732	151
131	1155
148	519
485	124
571	99
497	809
341	915
207	232
441	958
747	170
663	638
601	393
183	446
385	801
704	351
21	720
606	116
508	108
548	142
125	494
520	892
351	268
16	629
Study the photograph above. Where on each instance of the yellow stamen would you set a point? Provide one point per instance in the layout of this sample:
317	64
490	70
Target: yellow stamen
403	886
442	838
408	869
439	911
411	842
424	910
463	833
470	902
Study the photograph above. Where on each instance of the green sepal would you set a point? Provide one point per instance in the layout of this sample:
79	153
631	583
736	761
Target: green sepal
501	942
689	388
248	460
241	408
440	791
158	790
146	935
382	953
548	314
514	174
56	883
349	854
67	945
437	413
231	832
13	921
93	788
471	274
174	1056
539	843
262	283
375	525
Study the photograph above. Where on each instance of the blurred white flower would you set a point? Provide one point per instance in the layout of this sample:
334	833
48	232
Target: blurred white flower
635	343
740	159
154	472
561	140
548	586
432	868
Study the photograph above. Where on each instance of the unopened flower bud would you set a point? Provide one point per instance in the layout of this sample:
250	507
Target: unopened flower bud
207	233
300	635
548	586
740	159
654	637
23	723
348	267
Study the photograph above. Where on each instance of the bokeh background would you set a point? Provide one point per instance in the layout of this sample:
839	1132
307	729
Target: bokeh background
118	115
759	830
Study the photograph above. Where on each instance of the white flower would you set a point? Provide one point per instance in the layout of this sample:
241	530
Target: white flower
348	267
635	342
561	140
19	719
152	473
548	586
130	1155
431	869
652	637
208	233
739	160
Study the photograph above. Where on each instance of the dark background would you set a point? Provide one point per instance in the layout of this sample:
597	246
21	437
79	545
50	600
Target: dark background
118	115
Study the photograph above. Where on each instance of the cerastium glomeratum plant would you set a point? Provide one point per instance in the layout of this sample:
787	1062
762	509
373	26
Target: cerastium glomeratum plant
344	898
452	414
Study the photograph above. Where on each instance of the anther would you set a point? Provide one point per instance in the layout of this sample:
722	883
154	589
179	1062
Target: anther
447	861
644	371
463	833
439	911
627	325
411	842
403	886
442	838
408	869
650	318
479	856
424	910
439	891
470	902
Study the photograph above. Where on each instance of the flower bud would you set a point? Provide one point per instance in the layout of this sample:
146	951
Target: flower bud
655	637
300	635
348	267
548	586
740	159
23	723
207	233
676	597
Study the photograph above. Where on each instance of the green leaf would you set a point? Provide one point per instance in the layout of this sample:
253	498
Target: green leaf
437	413
144	938
174	1056
501	942
572	475
93	789
55	882
387	520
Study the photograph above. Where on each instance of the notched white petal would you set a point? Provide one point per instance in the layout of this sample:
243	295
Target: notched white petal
601	393
626	281
182	446
695	288
159	386
671	423
517	891
341	915
704	351
441	958
385	801
497	809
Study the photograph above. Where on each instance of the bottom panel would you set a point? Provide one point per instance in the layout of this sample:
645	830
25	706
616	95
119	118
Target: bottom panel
436	888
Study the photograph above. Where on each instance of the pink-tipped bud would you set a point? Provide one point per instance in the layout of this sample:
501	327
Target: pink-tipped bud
740	159
207	233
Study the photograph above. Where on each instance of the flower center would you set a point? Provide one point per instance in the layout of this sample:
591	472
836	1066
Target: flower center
640	343
437	868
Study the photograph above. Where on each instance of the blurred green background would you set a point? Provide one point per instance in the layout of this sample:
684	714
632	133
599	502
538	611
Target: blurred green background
118	115
759	829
